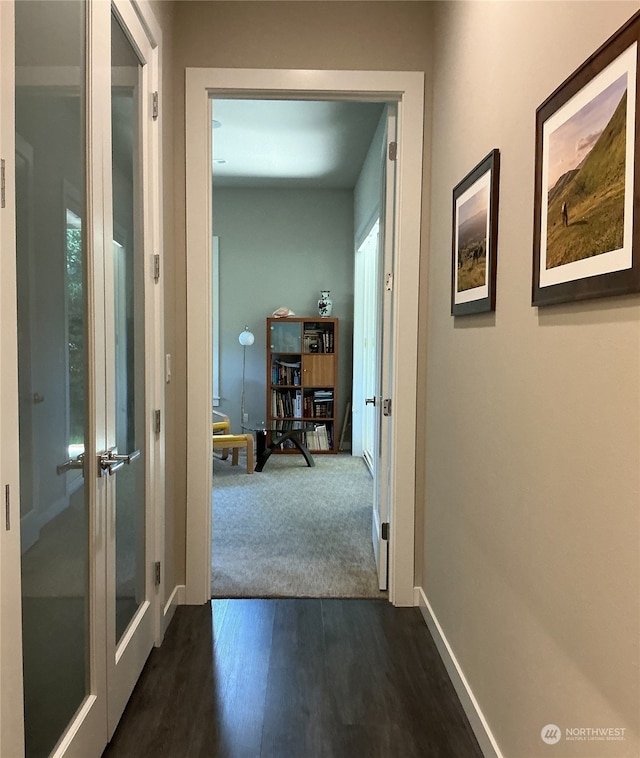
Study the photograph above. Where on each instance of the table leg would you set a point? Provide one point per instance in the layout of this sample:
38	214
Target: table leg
304	450
292	435
261	443
266	453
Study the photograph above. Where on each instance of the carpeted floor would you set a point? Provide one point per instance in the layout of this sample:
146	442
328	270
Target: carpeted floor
293	531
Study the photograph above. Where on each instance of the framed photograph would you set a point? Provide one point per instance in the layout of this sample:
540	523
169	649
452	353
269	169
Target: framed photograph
475	239
585	240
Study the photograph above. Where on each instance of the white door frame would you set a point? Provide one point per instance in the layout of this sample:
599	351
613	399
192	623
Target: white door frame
11	696
405	88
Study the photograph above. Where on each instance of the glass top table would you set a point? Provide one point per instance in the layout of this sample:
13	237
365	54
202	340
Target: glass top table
281	432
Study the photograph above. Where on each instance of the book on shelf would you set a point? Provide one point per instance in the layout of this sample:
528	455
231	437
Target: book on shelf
318	339
323	409
286	403
285	372
320	438
322	406
311	439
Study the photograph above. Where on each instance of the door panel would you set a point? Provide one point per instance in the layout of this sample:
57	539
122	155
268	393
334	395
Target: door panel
52	366
128	309
130	619
318	369
383	469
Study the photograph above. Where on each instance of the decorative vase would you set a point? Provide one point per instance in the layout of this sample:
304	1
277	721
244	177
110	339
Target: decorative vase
325	304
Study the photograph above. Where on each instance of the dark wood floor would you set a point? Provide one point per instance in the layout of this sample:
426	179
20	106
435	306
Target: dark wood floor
295	679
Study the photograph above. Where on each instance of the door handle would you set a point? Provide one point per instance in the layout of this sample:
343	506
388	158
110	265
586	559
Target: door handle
369	401
112	461
71	464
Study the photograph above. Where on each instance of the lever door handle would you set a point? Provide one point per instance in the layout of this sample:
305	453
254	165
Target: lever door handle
114	456
71	464
112	461
369	401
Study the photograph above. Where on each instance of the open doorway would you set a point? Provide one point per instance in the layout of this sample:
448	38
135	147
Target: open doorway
294	182
406	88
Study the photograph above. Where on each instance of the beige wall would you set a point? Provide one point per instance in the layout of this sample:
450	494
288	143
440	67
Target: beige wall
527	527
333	35
530	539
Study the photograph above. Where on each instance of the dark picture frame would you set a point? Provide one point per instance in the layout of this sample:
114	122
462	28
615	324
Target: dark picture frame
587	179
474	237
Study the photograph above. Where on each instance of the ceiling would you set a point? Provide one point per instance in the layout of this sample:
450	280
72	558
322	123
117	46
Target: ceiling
291	144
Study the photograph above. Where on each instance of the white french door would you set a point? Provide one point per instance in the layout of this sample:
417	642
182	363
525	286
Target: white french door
129	316
85	231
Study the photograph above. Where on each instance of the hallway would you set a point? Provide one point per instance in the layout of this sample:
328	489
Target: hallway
295	677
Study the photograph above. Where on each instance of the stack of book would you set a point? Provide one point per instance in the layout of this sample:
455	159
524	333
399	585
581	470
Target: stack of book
286	403
323	404
319	438
317	339
285	373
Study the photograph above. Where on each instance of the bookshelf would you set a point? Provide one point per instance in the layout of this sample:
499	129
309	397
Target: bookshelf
302	377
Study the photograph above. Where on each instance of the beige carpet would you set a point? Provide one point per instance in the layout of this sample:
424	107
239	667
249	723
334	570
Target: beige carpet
293	531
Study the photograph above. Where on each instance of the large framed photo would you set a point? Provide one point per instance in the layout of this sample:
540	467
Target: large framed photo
587	179
475	238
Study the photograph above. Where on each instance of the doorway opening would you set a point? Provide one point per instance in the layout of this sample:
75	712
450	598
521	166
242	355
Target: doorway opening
405	88
292	182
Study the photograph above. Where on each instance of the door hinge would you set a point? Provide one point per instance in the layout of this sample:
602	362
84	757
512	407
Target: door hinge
386	406
3	200
388	282
154	106
157	424
157	573
385	530
7	507
156	268
393	151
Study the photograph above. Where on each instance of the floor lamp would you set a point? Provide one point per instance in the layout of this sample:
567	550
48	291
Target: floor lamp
246	339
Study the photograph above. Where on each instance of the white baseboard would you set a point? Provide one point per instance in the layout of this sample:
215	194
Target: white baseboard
478	723
176	598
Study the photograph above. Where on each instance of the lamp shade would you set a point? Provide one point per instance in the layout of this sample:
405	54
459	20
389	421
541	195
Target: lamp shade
246	337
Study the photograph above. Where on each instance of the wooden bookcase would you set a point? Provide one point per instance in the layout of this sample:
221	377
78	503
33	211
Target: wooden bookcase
302	377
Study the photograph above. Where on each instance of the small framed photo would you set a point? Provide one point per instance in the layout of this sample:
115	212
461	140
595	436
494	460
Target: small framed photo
475	239
585	241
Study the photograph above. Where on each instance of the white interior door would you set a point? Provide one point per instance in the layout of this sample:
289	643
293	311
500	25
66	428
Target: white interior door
83	581
384	371
130	437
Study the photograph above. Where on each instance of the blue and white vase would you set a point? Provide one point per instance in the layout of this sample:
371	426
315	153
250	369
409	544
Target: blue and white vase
325	304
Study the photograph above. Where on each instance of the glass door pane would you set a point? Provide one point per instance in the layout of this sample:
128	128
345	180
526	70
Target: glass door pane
286	337
52	363
128	296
